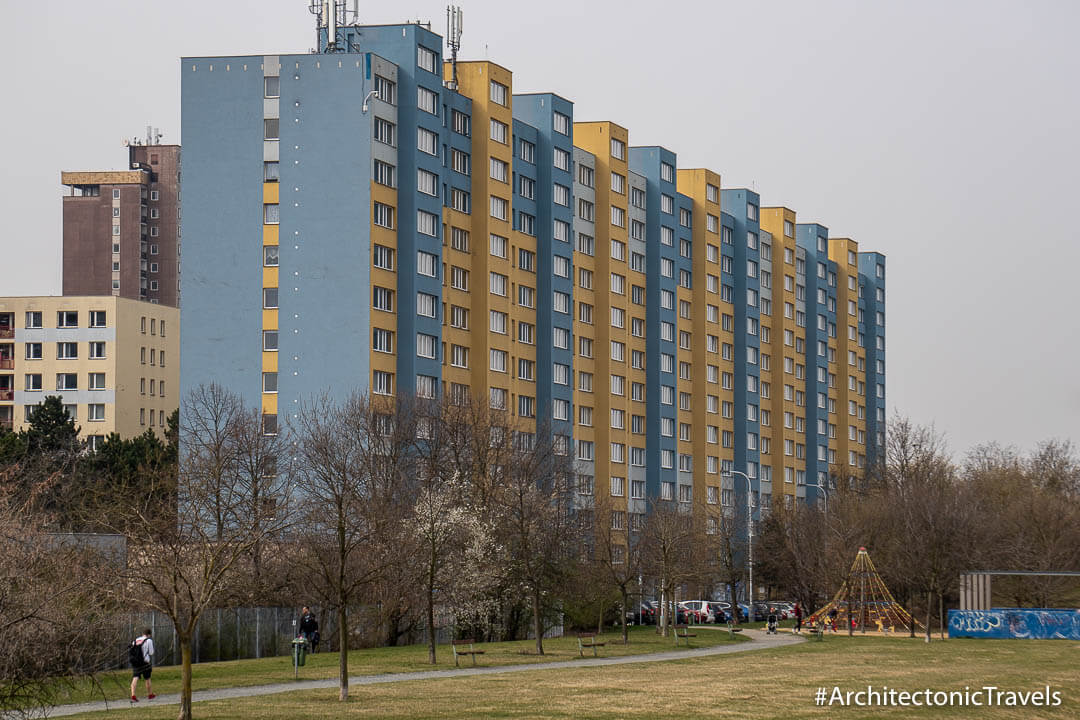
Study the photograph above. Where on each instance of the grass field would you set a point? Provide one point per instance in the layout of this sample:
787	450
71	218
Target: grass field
412	658
777	683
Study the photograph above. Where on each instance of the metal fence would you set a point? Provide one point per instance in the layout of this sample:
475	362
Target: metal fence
244	633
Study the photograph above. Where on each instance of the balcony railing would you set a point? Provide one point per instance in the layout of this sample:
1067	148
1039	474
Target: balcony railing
7	333
6	423
7	364
7	395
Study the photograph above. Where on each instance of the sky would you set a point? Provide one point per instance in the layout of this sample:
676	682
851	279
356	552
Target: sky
945	135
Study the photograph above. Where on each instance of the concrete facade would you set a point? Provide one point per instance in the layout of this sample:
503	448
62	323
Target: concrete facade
113	361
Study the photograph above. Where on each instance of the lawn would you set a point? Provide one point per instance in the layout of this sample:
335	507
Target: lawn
777	683
411	658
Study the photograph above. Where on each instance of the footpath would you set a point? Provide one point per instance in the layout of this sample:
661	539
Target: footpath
759	640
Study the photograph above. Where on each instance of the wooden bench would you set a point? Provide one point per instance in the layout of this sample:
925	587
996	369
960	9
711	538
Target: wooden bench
732	629
683	631
588	640
458	646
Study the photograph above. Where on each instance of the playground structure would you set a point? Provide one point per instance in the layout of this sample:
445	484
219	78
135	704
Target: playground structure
864	603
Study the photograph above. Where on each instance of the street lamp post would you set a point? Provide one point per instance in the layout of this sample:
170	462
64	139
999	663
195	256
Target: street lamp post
750	540
824	489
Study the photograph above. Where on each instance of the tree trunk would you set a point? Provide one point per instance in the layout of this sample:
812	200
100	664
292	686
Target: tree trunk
538	628
625	609
343	656
431	622
185	676
941	614
929	611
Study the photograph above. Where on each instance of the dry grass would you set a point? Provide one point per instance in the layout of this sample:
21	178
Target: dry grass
372	661
776	684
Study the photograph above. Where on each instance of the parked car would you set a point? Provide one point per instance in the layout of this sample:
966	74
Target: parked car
761	611
648	612
700	610
720	611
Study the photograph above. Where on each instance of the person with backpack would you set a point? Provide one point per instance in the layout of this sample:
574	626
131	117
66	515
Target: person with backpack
141	657
309	627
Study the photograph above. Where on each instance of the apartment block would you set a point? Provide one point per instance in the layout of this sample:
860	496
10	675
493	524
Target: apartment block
122	228
376	219
113	361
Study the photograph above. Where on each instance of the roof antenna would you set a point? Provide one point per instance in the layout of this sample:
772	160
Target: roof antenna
454	19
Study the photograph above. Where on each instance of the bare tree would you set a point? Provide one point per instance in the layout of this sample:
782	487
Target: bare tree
184	555
667	553
536	521
617	554
57	626
351	457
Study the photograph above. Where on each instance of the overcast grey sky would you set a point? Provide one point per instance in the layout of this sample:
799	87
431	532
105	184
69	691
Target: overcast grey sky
943	134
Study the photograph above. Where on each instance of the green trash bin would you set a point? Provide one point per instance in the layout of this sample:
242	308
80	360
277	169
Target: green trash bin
299	649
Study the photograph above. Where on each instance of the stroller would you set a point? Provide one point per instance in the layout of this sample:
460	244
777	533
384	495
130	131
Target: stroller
771	622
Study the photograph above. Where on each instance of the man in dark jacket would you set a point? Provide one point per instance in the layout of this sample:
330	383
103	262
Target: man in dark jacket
309	626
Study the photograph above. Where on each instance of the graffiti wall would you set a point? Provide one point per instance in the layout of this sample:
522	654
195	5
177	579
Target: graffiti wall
1031	623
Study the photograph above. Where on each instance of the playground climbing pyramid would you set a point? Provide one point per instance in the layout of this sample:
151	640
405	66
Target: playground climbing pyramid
864	602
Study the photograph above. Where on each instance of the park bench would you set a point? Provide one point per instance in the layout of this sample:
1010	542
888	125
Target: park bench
683	631
458	646
732	629
587	640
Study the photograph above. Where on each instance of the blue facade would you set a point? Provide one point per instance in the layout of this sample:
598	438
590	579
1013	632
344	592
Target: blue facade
820	321
872	327
534	118
746	294
660	312
222	118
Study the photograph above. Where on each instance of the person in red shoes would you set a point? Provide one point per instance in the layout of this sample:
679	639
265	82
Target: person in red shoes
141	656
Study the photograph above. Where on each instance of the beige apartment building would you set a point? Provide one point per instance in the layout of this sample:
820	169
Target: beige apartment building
115	362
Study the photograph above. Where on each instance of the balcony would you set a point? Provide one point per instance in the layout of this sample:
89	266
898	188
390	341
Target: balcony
7	364
7	333
6	423
7	395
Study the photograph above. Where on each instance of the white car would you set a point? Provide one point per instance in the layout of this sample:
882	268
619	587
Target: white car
701	609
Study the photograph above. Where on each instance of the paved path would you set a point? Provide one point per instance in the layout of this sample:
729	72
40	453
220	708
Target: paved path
760	641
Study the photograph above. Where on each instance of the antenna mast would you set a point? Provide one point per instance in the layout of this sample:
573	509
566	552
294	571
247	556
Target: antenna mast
454	20
326	16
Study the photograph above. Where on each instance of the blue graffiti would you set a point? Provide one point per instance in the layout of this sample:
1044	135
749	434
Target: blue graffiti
1034	623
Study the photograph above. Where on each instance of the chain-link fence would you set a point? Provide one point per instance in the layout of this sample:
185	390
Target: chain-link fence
243	633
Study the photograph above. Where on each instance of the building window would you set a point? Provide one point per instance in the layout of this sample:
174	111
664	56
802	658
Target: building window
461	122
426	304
97	350
427	141
382	215
427	100
95	412
426	59
499	94
384	173
271	213
498	131
618	149
561	123
271	129
385	132
528	152
270	255
382	383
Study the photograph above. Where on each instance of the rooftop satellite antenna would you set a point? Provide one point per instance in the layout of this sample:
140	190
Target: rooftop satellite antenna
454	20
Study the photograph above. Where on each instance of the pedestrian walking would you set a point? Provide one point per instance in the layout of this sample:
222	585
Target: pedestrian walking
141	657
832	618
798	618
309	626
